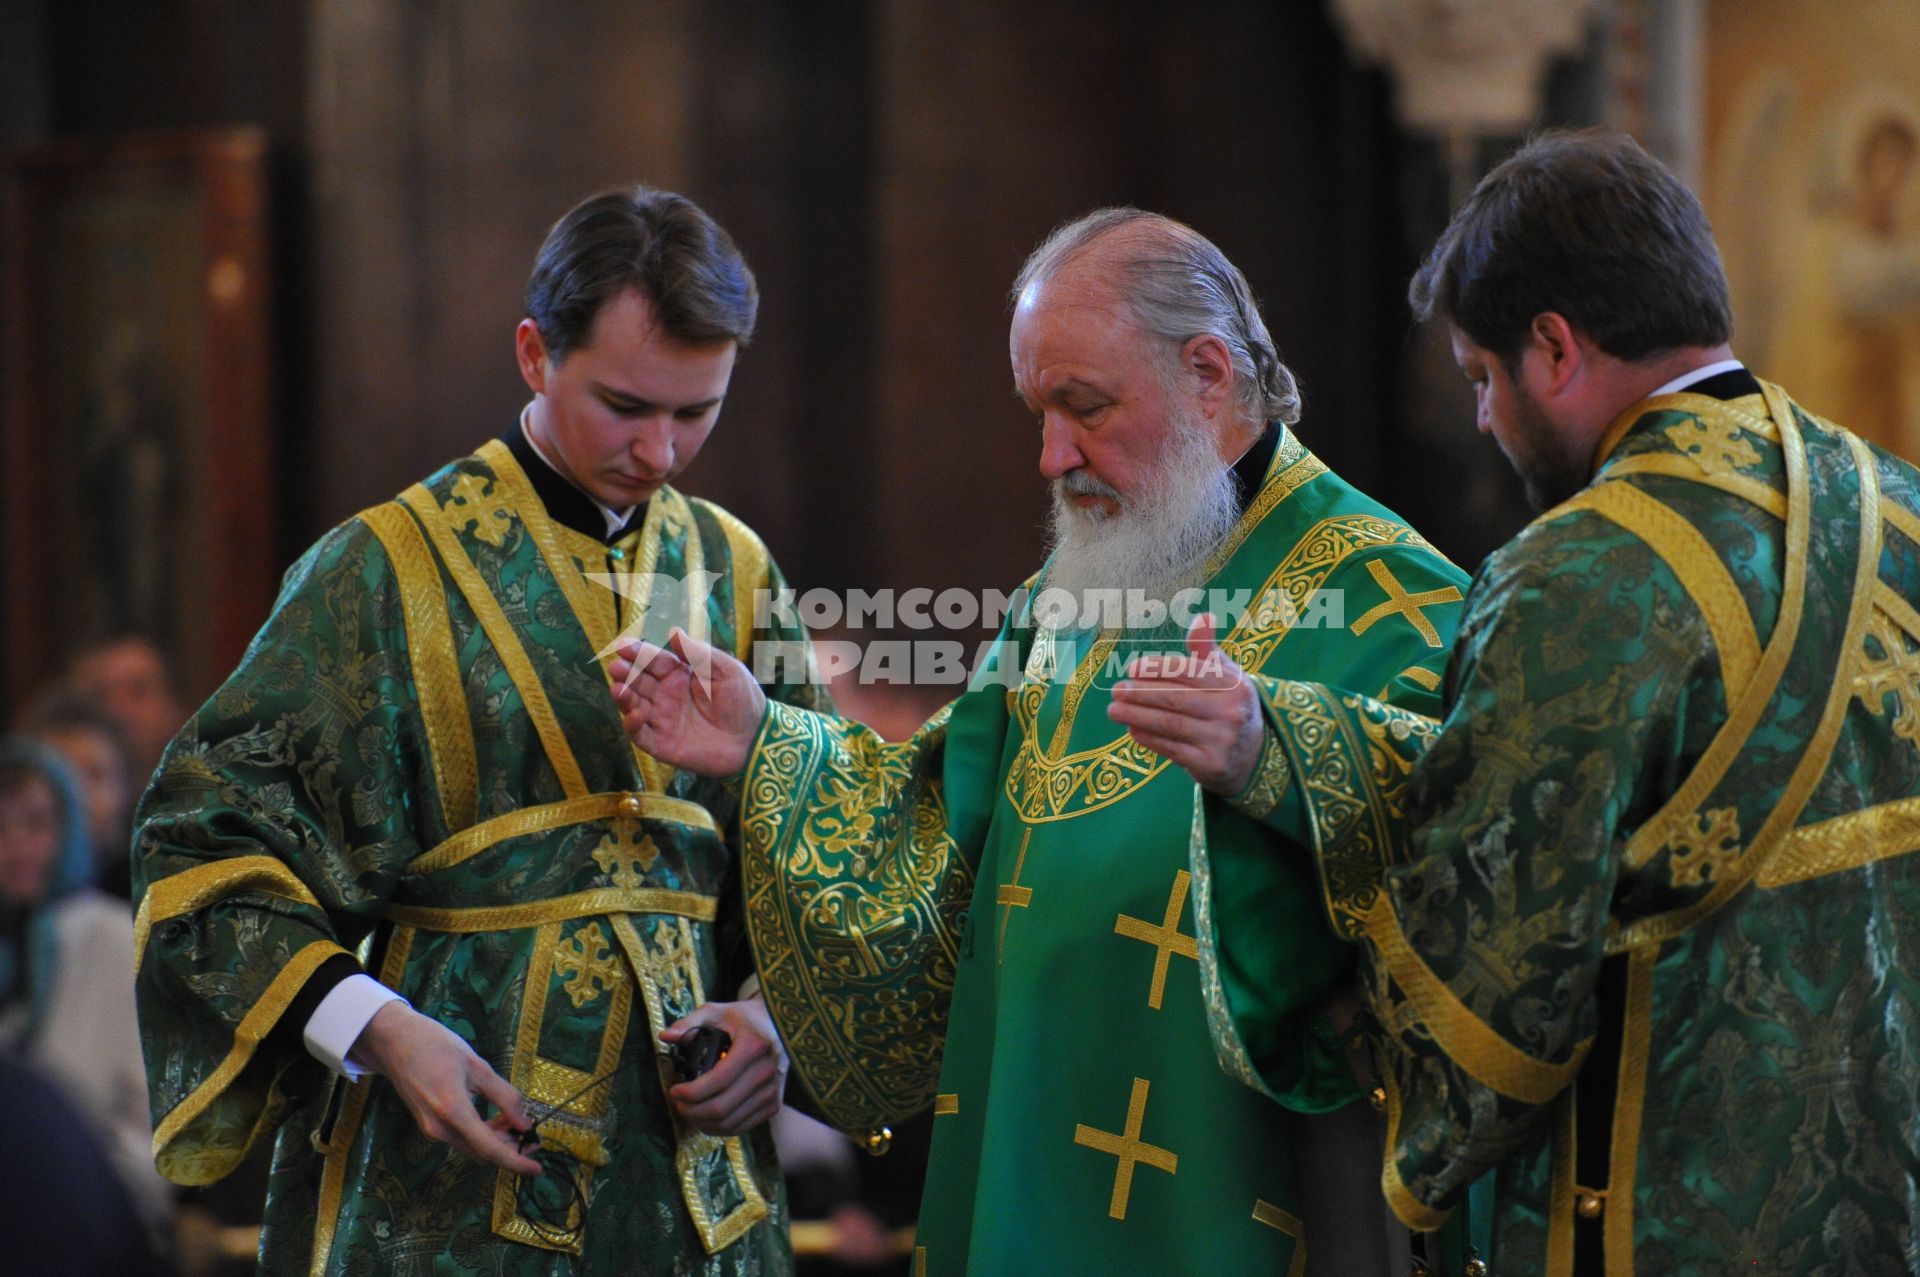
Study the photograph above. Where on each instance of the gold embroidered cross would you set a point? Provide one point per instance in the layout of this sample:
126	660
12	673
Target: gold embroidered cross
1715	446
1896	672
1167	938
1700	853
626	855
489	514
1012	894
588	964
1129	1148
1408	605
666	957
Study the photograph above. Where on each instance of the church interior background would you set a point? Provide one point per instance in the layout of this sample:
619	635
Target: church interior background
264	259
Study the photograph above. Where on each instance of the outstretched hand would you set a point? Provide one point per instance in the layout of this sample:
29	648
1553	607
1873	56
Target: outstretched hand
436	1074
689	704
1198	708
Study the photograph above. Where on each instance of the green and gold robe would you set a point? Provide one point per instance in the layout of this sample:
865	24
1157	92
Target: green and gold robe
1642	929
997	917
419	762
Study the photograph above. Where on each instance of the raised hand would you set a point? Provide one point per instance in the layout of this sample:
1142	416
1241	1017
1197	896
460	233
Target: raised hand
689	704
1200	710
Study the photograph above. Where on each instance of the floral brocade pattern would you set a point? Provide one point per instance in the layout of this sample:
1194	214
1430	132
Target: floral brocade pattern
311	808
1613	783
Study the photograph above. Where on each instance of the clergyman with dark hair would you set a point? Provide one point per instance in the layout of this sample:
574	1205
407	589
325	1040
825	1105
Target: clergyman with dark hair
412	906
1640	911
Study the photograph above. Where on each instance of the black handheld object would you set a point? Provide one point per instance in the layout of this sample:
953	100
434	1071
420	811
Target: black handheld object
699	1051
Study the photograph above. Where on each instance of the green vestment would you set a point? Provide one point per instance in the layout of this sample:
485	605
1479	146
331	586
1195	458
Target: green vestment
419	761
1641	928
997	917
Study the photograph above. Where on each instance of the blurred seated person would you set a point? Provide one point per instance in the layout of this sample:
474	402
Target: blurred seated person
128	677
56	1169
94	748
853	1215
66	967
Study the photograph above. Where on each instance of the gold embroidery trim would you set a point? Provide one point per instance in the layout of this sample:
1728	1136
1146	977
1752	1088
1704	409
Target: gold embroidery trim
192	1168
333	1173
1695	562
946	1105
1419	674
1400	603
749	569
1466	1039
471	842
526	1054
581	904
195	888
1628	1104
1766	844
1272	775
435	663
1722	410
1666	465
1898	610
1746	709
1228	1049
1265	1212
1407	1208
500	633
1904	519
1560	1190
1846	842
690	1146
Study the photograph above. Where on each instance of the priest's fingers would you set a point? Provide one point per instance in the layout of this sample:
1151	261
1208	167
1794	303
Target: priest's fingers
1178	752
1173	721
1181	698
741	1105
639	653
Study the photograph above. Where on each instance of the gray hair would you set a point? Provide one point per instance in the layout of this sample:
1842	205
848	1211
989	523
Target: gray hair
1179	286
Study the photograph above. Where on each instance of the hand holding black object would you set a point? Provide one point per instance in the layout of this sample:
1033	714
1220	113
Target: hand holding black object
743	1085
699	1051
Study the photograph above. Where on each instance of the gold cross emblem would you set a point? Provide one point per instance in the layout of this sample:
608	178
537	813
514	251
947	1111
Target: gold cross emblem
489	515
1716	446
1129	1148
1399	602
589	965
1012	894
1167	938
1700	852
626	855
1896	671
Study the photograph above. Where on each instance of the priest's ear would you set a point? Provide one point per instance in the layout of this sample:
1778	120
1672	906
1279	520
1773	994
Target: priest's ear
1553	355
530	349
1206	372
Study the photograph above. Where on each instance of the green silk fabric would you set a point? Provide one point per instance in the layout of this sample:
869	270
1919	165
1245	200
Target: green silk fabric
998	917
355	786
1678	755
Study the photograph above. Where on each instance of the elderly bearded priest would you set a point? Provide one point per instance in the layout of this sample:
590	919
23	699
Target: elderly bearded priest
997	916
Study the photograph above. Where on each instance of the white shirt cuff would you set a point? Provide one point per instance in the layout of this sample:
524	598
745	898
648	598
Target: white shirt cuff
336	1023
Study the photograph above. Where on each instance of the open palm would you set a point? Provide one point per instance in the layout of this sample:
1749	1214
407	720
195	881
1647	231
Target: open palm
689	704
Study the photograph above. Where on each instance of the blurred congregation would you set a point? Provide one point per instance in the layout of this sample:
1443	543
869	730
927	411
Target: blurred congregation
264	261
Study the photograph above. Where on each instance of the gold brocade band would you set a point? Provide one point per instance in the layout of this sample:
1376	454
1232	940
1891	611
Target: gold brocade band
1667	465
434	660
643	805
1846	842
191	1165
192	889
749	575
1407	1208
1746	708
1467	1040
1694	562
581	904
333	1169
501	634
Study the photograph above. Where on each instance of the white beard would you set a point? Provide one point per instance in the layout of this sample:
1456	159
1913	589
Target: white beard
1160	538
